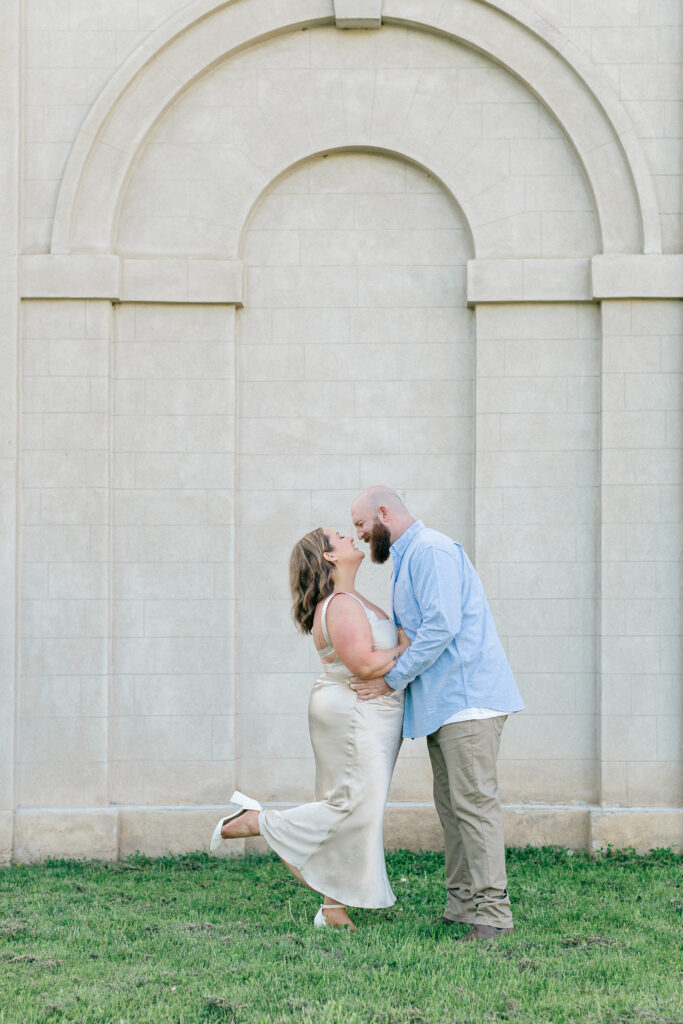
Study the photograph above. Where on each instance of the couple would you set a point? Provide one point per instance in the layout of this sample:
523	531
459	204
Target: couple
444	675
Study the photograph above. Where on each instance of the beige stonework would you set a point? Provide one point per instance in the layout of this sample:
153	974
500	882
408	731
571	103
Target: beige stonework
160	831
641	828
267	257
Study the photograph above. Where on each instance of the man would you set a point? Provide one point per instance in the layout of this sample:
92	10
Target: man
459	691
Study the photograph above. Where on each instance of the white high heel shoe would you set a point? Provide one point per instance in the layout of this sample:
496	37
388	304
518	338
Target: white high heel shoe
319	920
244	803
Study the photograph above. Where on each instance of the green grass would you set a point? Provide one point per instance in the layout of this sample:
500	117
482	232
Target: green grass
195	940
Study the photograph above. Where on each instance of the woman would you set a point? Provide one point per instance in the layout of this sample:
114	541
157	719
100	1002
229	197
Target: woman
335	844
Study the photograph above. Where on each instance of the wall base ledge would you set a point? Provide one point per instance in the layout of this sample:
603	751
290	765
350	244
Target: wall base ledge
108	833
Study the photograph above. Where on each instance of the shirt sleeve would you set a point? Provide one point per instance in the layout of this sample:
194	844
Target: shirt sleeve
437	584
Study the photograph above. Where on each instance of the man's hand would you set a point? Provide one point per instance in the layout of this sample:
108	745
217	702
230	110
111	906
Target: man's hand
368	689
403	639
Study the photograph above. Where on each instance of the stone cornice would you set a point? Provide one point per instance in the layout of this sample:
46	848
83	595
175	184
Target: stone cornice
90	276
123	279
575	280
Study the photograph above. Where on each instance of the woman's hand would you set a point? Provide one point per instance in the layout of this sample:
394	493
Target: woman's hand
403	640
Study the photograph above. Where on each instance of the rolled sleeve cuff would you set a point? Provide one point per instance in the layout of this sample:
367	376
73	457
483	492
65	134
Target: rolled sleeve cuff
395	679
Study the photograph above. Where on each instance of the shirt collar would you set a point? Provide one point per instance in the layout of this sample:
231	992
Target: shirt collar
399	545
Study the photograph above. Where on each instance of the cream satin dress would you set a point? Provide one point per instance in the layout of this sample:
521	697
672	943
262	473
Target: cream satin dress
336	842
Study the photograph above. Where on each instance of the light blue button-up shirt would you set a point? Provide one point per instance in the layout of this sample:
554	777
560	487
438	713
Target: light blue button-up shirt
456	659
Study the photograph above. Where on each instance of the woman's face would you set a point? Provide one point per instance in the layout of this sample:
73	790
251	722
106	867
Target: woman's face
343	548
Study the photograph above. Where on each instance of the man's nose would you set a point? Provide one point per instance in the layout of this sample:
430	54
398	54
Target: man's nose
359	533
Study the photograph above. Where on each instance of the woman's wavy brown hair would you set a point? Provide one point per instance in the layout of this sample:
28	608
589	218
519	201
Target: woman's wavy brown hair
310	577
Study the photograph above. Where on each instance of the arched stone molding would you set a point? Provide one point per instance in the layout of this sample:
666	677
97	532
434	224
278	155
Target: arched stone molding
188	44
402	154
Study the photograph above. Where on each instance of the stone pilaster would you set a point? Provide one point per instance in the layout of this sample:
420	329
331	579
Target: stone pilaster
10	140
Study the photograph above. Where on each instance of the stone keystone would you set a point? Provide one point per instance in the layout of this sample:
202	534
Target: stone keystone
358	13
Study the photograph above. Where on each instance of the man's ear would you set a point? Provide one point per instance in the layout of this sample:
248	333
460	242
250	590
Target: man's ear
383	513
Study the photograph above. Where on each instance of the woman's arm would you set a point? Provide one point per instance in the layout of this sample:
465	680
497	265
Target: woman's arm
351	638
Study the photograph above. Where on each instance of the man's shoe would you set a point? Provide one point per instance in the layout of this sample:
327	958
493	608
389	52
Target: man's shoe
482	932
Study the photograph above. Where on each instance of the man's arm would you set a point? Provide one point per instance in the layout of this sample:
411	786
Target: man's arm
437	584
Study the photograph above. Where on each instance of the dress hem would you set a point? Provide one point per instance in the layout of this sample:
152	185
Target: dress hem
321	887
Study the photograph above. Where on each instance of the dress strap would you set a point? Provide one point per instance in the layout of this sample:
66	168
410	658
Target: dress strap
323	621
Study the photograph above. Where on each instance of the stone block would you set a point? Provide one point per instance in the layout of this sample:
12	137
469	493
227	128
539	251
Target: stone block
526	322
188	359
48	543
516	394
167	433
669	746
165	737
407	398
655	783
412	779
277	362
173	782
57	394
70	277
575	233
541	431
169	654
634	429
547	826
593	13
171	830
412	827
310	472
553	654
194	470
642	829
332	436
417	471
634	503
6	837
629	737
82	738
436	434
291	780
47	833
78	579
87	358
61	783
538	737
276	736
278	691
638	277
657	317
187	618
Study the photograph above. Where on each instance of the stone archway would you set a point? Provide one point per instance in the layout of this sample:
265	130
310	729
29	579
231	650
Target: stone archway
355	362
194	40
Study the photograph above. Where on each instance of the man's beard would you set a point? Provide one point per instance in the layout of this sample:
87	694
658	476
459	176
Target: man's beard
379	540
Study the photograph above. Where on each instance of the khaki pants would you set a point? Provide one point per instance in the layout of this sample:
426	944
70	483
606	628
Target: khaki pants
463	757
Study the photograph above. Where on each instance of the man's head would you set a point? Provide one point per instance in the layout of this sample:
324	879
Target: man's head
379	518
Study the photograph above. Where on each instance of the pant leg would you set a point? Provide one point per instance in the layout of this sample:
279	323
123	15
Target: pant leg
470	751
459	905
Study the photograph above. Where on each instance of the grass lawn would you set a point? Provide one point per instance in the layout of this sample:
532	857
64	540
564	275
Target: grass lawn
194	940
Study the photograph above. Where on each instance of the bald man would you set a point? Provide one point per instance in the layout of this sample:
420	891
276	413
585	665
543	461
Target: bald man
459	692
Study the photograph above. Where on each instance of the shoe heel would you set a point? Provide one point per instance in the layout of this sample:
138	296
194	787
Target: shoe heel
319	919
245	802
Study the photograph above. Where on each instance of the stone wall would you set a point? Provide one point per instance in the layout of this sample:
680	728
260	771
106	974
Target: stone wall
254	260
